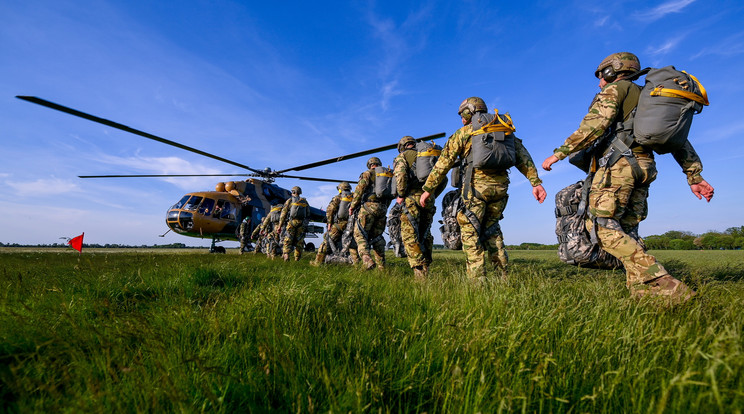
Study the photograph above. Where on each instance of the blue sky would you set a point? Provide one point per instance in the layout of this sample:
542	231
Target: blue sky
282	84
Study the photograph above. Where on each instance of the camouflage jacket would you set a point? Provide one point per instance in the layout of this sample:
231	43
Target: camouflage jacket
614	99
364	190
459	144
288	206
259	228
405	179
332	209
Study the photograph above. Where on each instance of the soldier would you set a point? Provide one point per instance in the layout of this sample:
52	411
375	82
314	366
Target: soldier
295	213
258	236
243	233
618	201
272	232
415	220
371	217
484	192
336	218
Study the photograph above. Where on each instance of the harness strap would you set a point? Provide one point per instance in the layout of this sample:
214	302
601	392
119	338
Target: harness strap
702	99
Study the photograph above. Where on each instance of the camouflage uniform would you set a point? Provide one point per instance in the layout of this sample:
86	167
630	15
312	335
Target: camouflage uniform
258	237
273	235
415	221
617	200
487	206
294	238
337	229
371	220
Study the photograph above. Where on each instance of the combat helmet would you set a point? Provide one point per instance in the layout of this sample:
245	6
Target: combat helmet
404	142
373	161
297	190
616	65
344	186
470	106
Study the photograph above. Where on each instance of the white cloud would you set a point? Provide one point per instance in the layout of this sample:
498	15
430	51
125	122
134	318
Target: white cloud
668	46
45	186
673	6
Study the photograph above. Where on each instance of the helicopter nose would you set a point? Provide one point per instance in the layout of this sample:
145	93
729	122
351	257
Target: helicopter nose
179	221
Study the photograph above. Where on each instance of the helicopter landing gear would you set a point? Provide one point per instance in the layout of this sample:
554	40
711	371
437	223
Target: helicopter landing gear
216	249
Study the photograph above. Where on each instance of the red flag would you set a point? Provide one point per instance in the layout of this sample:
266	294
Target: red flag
77	242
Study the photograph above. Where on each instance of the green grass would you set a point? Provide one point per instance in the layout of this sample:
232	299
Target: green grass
183	331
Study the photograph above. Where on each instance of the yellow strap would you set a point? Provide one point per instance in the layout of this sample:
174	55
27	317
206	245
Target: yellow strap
276	208
674	93
504	126
431	152
346	198
385	174
300	204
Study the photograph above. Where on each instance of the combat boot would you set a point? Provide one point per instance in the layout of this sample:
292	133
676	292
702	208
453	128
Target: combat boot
419	274
319	260
380	259
367	262
665	286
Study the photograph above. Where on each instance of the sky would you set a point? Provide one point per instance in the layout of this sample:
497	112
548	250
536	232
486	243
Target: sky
281	84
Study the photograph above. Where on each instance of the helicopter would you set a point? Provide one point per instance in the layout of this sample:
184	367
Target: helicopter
217	214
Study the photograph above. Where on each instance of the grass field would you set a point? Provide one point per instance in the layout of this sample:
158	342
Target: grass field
161	331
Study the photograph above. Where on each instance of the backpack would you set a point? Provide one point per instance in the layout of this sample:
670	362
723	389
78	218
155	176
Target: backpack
385	188
343	205
298	209
450	228
276	213
665	108
575	244
492	148
427	154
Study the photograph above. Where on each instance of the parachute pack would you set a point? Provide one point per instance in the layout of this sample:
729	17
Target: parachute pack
393	225
575	245
384	183
427	154
493	141
666	105
343	206
276	213
298	210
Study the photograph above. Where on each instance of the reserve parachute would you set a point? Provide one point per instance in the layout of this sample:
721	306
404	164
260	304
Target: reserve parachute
575	245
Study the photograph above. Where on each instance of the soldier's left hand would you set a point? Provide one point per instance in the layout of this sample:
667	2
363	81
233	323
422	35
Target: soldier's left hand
549	161
539	193
702	189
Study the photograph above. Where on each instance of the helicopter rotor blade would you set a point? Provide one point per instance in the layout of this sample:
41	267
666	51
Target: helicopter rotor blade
327	180
165	175
112	124
357	154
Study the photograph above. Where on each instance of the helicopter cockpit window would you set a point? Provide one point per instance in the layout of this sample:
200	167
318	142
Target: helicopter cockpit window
192	203
207	207
181	202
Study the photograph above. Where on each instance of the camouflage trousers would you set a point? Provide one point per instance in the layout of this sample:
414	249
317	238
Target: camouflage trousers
480	231
619	202
370	225
294	238
415	230
334	234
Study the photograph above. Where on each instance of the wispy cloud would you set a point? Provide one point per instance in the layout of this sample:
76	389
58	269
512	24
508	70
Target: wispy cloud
656	51
45	186
673	6
730	46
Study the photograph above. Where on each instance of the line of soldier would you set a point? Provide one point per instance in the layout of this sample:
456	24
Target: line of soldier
617	200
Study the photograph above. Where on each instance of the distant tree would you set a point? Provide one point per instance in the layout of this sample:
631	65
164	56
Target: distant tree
656	242
680	244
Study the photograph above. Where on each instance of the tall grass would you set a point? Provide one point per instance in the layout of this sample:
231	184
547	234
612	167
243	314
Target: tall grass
192	332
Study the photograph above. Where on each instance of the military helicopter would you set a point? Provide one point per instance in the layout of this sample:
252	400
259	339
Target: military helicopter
217	214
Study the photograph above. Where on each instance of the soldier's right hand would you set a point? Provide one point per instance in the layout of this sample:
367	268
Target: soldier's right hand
425	196
549	162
